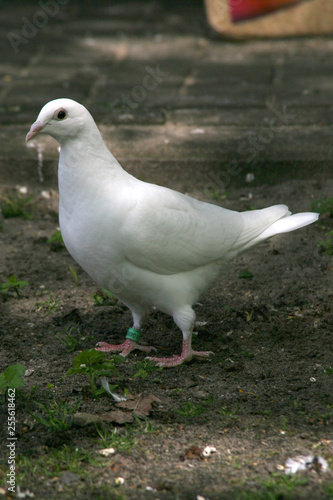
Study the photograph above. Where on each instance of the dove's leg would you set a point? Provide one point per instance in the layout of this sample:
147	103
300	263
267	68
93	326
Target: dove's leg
185	321
130	343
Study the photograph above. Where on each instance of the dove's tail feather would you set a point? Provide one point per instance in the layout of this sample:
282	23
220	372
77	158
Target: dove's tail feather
259	225
289	223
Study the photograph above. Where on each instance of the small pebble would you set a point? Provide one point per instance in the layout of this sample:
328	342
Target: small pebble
106	452
197	131
249	178
208	451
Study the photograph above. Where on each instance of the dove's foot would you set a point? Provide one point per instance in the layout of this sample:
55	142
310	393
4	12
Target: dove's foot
186	355
125	348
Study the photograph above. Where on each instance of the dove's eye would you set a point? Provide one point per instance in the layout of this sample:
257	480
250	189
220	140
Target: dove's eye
61	115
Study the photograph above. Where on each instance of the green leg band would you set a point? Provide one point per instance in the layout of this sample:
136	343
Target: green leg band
133	334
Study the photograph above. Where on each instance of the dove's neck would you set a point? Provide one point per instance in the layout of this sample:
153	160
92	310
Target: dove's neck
84	147
85	167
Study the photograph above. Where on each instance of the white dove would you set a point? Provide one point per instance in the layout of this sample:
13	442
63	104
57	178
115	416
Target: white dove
148	245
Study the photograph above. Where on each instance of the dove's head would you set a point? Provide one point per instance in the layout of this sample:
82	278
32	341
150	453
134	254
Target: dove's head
61	119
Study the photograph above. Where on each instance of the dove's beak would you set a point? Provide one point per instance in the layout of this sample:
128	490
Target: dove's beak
34	130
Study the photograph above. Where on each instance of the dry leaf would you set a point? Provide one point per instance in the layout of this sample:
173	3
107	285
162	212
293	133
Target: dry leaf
140	406
192	452
137	404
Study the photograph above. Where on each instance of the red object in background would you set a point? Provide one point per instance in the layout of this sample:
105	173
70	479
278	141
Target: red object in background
245	9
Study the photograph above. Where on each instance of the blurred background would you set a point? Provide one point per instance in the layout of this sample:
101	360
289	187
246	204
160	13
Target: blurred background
180	96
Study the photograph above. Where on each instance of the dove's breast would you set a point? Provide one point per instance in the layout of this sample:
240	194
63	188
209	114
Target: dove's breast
90	218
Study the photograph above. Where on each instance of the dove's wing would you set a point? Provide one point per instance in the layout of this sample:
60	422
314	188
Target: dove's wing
168	232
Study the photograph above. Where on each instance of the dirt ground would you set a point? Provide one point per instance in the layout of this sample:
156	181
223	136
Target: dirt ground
264	396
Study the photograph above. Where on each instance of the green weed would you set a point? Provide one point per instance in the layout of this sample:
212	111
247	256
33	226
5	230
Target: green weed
104	298
55	241
53	463
192	410
217	194
14	205
14	284
327	245
12	378
248	315
74	274
124	439
50	305
120	440
283	486
93	364
229	416
245	274
144	368
323	206
328	488
70	338
56	416
247	354
229	412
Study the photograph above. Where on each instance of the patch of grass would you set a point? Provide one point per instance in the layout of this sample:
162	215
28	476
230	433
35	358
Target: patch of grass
229	412
328	371
247	354
55	241
34	471
323	206
69	337
123	439
14	284
328	488
217	194
74	457
190	409
327	245
53	463
284	423
143	368
229	416
50	305
56	416
103	297
283	486
15	205
94	364
323	417
245	274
